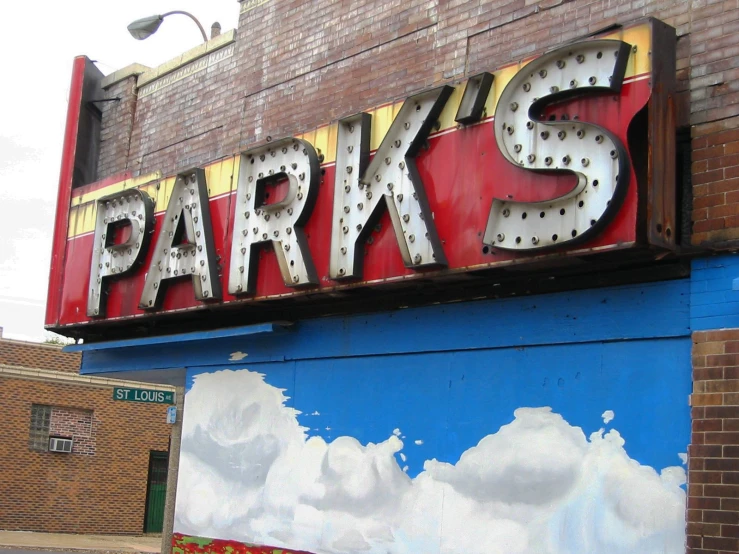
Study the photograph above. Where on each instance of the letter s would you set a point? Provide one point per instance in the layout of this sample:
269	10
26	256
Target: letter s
596	157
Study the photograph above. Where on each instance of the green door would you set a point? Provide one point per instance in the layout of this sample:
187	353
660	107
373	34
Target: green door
156	492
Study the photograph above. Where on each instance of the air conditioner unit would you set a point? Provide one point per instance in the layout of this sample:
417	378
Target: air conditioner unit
60	445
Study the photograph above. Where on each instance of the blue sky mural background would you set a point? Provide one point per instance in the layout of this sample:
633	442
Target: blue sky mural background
450	401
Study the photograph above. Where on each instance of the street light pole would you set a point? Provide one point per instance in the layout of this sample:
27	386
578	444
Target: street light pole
188	14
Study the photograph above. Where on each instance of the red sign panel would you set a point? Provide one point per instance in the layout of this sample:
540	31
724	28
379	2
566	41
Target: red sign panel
544	159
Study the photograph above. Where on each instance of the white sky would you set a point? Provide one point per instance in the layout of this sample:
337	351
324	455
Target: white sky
38	43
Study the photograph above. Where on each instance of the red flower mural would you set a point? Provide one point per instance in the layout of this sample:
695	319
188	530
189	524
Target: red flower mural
183	544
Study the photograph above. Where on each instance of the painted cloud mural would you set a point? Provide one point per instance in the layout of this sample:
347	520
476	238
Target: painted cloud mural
250	472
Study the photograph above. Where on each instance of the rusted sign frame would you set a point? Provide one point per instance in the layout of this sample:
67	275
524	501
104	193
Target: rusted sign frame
657	212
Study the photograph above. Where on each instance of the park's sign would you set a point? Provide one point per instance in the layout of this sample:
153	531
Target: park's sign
565	154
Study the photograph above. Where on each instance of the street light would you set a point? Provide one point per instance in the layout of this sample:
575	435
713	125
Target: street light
147	26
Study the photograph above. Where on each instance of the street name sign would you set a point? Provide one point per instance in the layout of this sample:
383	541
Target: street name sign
143	395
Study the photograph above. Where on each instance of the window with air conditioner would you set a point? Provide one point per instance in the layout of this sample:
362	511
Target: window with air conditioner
58	444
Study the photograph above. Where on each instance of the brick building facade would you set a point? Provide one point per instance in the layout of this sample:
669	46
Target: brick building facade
291	67
101	486
713	509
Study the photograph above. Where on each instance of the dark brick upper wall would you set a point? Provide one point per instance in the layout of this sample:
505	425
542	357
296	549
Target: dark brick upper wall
38	356
298	65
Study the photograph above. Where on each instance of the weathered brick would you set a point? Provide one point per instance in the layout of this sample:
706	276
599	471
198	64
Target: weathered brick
707	373
702	477
711	529
725	412
705	451
715	516
702	503
693	541
706	399
702	425
724	544
718	335
728	385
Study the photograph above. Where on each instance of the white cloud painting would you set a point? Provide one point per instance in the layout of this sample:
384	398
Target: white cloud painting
249	472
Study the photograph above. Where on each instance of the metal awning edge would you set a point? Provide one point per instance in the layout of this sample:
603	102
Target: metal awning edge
247	330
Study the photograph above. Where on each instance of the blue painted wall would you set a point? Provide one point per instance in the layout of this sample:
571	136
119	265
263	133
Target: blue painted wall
714	293
556	448
652	310
551	423
450	400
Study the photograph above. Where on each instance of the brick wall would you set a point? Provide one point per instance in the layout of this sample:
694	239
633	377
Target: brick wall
79	425
101	486
716	182
713	477
100	493
41	356
115	135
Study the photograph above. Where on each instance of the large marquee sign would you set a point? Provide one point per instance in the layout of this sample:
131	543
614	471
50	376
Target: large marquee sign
566	154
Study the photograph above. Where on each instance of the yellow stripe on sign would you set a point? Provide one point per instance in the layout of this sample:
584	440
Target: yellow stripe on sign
382	118
639	63
323	141
133	182
81	220
502	78
324	138
221	176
